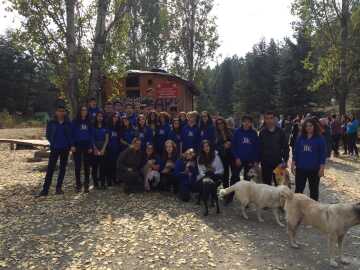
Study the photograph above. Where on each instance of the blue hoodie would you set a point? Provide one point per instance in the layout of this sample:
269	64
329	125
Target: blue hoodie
114	145
161	135
352	127
82	133
127	134
99	136
176	138
145	135
207	132
93	111
310	153
186	182
59	135
190	138
245	145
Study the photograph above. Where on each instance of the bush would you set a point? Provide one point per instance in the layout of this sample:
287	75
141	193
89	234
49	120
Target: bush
7	120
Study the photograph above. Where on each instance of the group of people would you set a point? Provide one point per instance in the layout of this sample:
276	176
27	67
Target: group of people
148	150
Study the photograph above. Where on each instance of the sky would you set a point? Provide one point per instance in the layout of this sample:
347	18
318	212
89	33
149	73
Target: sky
241	23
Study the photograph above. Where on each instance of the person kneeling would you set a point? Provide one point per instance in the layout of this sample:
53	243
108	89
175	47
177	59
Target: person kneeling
151	168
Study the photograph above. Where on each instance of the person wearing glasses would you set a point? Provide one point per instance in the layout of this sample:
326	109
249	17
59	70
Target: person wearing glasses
309	159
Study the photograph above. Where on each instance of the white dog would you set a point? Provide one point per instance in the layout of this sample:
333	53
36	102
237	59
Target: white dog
334	220
260	195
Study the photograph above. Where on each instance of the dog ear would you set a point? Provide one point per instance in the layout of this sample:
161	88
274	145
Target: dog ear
286	193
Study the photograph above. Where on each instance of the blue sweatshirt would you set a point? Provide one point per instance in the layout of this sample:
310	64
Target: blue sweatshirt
114	145
161	135
310	153
93	111
82	133
59	135
127	134
190	137
176	138
186	182
208	133
245	145
145	135
99	136
352	127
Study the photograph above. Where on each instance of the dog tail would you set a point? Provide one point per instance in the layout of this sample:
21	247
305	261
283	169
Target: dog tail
228	190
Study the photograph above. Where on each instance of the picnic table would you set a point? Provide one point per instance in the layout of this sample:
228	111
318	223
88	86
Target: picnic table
14	142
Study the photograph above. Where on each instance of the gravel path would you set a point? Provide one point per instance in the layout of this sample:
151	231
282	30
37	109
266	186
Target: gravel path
110	230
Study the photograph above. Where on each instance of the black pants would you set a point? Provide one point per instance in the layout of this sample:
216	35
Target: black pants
133	182
99	170
246	166
352	144
111	170
267	170
169	181
335	143
345	140
226	160
312	176
82	159
55	154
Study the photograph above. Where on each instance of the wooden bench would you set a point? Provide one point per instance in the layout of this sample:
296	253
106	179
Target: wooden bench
14	142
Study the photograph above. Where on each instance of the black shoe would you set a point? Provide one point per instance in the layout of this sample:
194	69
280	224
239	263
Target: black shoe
42	194
78	189
86	189
59	192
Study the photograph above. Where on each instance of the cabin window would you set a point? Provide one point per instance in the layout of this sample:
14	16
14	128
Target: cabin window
132	81
133	93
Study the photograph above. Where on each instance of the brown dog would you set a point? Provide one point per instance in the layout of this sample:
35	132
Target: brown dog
331	219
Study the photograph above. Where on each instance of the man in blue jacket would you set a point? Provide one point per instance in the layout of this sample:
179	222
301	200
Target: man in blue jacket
59	135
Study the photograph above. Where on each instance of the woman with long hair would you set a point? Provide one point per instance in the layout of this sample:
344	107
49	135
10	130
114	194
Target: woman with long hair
151	168
309	158
190	133
175	133
162	132
152	121
100	140
143	132
223	146
82	132
127	133
168	180
113	149
207	129
209	163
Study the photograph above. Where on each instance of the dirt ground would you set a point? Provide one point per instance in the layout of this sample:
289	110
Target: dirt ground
110	230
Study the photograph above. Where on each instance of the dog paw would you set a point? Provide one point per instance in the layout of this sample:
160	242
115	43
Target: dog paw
246	217
261	220
345	260
294	245
206	214
333	263
281	224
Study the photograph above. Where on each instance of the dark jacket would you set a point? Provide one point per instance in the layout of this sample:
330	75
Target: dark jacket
130	158
274	148
59	135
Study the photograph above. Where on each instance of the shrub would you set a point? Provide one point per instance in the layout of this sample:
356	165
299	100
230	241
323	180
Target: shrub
7	120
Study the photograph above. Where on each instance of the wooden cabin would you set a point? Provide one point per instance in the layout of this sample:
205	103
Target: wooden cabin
157	89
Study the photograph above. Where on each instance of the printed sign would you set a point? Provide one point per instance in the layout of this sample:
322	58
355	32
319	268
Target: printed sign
167	89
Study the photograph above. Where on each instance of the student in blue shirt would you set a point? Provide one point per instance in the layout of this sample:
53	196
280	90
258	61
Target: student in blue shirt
100	140
309	159
186	173
175	133
151	167
152	121
113	150
59	135
162	132
143	132
127	133
190	134
207	128
352	133
183	118
245	149
168	180
82	135
131	114
93	109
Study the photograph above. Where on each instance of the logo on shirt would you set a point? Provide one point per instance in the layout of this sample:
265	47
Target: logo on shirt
190	134
113	134
161	132
202	133
83	127
246	141
141	135
307	148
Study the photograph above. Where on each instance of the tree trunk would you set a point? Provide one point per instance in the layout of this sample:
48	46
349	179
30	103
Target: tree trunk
344	50
72	79
96	76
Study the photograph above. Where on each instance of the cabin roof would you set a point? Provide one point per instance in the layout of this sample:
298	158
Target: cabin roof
189	84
